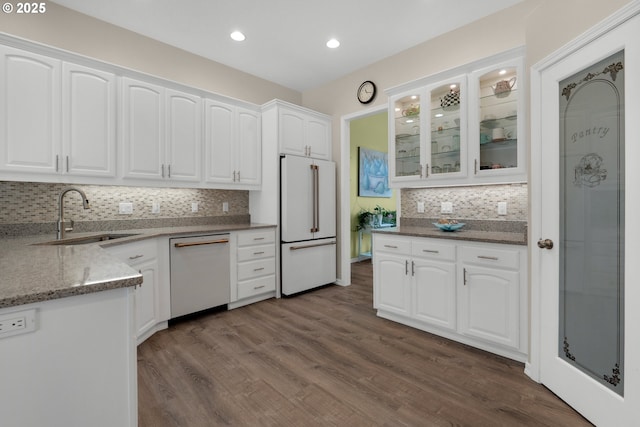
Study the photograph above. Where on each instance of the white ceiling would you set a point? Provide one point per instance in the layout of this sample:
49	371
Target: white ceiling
286	38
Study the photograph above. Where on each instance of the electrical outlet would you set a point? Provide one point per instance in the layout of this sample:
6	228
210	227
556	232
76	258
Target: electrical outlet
194	207
225	207
446	207
502	208
420	207
155	207
18	322
125	208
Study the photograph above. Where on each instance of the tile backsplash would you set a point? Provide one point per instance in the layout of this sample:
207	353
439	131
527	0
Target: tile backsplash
476	202
37	203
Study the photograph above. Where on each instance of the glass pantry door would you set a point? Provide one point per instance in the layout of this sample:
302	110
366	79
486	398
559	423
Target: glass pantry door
588	242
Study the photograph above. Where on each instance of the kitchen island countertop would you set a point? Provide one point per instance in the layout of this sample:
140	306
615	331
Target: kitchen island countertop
31	271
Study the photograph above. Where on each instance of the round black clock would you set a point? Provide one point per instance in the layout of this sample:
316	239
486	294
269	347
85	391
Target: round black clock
366	92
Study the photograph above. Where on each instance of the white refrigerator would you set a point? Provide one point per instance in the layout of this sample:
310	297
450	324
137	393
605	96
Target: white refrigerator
307	223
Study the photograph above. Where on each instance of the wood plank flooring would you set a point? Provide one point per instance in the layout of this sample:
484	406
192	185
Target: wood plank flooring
325	359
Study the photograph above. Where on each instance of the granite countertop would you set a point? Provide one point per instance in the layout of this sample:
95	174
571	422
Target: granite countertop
31	271
512	237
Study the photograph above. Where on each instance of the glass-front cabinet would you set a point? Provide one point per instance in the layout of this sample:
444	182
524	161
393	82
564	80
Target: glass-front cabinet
495	147
460	127
406	123
427	127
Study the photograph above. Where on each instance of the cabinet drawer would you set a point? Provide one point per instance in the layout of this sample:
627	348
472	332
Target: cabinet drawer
256	252
392	245
428	249
135	252
491	257
250	288
256	237
252	269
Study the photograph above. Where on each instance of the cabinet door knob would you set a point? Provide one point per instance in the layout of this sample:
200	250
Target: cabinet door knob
545	244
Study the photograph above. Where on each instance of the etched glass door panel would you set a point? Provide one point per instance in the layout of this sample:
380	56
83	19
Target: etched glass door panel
592	226
407	136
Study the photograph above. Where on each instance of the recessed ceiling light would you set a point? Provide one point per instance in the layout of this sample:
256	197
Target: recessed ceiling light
333	43
237	36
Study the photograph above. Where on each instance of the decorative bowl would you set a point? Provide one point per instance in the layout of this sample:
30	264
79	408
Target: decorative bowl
449	227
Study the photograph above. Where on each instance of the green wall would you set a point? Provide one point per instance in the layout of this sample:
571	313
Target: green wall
369	132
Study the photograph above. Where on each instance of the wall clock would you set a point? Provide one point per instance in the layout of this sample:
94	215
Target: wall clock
366	92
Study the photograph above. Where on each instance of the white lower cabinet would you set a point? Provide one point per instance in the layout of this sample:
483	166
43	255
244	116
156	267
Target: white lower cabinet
253	266
470	292
143	256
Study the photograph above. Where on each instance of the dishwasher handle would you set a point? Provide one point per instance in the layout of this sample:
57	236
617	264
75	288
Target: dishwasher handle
206	242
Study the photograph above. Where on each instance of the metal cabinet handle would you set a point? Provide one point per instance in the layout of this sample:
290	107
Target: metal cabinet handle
430	251
545	244
169	171
258	238
162	167
57	167
238	176
67	164
136	256
413	268
258	287
296	248
426	170
475	166
492	258
391	246
464	276
258	253
208	242
258	269
406	267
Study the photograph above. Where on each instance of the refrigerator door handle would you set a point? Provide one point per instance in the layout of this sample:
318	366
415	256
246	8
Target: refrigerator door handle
297	248
316	183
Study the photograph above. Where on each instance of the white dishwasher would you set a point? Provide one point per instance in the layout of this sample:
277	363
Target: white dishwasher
199	273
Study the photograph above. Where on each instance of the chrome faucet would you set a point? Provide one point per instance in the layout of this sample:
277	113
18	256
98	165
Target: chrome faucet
85	204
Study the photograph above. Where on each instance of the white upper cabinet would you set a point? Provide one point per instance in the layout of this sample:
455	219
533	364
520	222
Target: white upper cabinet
59	117
184	136
459	127
89	121
304	133
496	134
161	132
29	112
142	130
232	146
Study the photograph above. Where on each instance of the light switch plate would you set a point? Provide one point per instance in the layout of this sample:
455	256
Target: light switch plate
194	207
502	208
225	207
155	207
446	207
420	207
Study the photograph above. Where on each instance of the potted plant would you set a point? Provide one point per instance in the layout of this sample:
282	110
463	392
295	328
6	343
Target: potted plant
365	219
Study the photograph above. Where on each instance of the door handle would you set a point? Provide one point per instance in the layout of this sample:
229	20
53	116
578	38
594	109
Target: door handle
545	244
297	248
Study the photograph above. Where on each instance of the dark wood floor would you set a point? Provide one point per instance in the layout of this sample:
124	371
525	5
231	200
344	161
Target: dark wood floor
324	359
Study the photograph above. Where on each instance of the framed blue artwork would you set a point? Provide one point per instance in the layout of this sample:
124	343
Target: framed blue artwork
373	173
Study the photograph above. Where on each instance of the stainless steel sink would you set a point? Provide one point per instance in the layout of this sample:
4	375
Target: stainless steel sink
88	239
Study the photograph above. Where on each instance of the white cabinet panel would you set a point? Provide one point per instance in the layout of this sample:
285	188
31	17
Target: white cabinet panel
29	112
253	272
318	137
233	146
435	292
89	121
143	130
393	283
292	139
304	133
489	305
184	136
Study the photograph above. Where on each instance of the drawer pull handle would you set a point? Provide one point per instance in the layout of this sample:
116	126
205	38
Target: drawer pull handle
391	246
297	248
492	258
258	253
136	256
258	238
406	267
258	287
258	269
430	251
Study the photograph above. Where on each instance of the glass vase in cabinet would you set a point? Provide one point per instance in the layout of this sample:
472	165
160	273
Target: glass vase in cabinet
496	133
405	145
